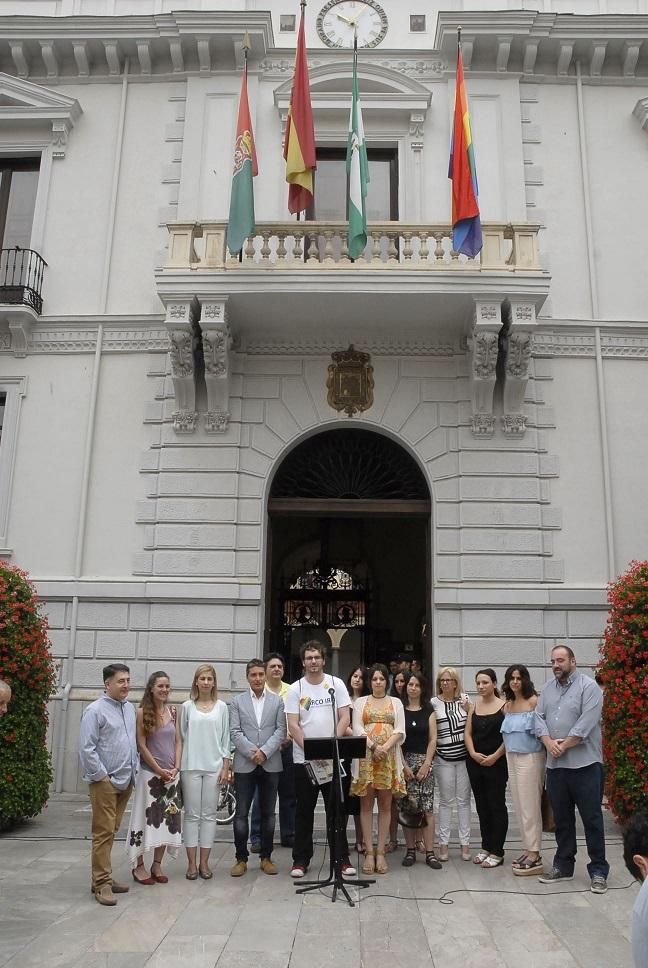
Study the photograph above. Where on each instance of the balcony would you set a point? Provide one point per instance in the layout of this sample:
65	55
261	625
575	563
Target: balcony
299	273
21	301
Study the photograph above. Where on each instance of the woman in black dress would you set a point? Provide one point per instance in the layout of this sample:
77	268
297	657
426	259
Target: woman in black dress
487	768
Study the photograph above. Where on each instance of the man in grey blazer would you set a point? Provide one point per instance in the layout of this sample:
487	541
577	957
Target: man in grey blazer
257	729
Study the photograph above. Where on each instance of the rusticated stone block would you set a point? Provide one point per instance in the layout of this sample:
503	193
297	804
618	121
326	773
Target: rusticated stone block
102	615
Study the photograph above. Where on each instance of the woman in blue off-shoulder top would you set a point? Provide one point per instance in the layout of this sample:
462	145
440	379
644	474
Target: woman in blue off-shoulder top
526	759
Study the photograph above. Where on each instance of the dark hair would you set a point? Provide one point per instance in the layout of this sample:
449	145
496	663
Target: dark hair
312	646
149	713
491	675
274	655
635	841
528	689
567	650
384	672
111	670
365	680
254	664
425	688
393	691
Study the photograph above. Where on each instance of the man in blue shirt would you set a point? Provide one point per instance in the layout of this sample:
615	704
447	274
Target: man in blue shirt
568	722
109	758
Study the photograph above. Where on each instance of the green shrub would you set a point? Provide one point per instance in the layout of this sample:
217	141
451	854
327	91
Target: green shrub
26	664
623	674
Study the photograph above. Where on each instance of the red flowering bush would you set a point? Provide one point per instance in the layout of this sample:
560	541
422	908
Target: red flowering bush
623	672
26	664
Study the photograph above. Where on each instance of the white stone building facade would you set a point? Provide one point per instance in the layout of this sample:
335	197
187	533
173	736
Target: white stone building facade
156	398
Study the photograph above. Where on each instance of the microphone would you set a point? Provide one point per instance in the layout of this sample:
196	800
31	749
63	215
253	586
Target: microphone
331	692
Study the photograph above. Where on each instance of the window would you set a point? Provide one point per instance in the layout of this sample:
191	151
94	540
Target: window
287	23
18	185
331	188
12	391
417	23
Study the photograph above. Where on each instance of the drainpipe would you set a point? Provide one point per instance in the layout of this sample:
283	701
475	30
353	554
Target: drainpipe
82	518
600	382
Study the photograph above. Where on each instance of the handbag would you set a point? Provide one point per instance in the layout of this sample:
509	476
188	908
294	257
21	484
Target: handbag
409	814
548	820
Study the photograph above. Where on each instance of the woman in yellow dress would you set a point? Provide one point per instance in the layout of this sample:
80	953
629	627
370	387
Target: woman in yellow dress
381	719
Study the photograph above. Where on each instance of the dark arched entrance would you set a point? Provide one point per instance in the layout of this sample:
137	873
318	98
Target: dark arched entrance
348	550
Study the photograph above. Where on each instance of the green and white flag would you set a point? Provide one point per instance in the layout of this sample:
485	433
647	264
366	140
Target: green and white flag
241	215
357	170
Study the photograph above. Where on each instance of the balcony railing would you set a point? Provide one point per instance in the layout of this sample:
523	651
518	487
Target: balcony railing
323	245
21	278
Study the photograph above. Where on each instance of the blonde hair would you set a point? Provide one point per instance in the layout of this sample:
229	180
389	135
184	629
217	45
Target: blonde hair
449	673
194	685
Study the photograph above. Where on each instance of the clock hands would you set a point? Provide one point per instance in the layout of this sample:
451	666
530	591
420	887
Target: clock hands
347	20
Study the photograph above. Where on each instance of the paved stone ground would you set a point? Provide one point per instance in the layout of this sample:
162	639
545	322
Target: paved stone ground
49	918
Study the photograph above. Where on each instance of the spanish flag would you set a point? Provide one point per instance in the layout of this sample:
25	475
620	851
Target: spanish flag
466	224
299	147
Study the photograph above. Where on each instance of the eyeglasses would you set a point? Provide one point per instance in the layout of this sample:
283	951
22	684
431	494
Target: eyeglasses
445	682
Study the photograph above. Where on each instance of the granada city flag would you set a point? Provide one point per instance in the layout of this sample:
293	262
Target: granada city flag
299	146
357	170
241	213
466	224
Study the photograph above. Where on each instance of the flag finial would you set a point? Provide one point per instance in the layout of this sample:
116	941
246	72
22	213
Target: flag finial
247	43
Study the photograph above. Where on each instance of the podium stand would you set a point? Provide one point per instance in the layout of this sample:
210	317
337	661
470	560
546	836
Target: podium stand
335	748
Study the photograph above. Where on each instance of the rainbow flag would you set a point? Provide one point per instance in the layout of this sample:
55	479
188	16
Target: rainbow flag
241	215
466	225
299	146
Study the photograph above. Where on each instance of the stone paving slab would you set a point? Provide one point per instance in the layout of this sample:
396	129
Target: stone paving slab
48	916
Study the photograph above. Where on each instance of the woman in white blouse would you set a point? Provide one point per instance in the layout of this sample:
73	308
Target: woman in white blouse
203	729
451	706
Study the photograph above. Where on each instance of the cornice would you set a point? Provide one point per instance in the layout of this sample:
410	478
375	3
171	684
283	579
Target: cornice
324	346
66	337
623	345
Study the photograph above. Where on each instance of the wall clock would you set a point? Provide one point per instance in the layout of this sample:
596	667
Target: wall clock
338	21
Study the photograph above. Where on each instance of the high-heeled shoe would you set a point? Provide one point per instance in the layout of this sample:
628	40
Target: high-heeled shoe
381	863
369	865
142	880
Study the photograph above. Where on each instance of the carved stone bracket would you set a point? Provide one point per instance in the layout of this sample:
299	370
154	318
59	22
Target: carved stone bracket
519	345
483	347
21	320
216	344
182	325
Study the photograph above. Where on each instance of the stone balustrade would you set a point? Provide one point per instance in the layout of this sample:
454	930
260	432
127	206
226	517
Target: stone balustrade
397	246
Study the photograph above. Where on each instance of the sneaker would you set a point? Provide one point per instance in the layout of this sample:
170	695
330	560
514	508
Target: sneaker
298	870
255	847
348	870
239	868
554	875
598	884
267	866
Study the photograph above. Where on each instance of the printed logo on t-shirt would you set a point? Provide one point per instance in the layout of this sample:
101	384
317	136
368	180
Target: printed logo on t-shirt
307	701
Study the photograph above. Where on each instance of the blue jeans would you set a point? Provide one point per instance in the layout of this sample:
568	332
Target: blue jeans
264	784
580	788
286	803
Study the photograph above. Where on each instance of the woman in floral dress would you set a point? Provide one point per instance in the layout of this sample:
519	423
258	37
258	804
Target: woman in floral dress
156	810
381	719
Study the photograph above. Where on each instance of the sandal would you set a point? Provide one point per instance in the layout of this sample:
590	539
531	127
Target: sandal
519	860
381	864
465	853
529	867
360	848
443	854
392	845
420	846
431	860
158	878
410	857
492	861
369	865
480	857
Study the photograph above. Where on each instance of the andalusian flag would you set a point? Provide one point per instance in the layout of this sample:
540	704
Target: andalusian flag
241	214
299	147
466	226
357	170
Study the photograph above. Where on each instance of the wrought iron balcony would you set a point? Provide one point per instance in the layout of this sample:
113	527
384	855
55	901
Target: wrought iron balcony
392	246
21	278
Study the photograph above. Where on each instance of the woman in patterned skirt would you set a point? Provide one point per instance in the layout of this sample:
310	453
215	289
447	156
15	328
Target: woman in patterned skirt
418	750
380	718
155	814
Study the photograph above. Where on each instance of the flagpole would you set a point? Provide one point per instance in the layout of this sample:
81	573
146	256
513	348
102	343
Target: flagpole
302	4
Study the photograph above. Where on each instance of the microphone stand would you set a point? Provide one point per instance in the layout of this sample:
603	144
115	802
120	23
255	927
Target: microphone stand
335	827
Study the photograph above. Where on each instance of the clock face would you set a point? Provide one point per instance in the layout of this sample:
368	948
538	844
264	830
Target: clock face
338	21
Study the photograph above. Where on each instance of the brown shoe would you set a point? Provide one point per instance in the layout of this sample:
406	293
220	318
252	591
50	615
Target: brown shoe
119	888
104	895
267	866
239	868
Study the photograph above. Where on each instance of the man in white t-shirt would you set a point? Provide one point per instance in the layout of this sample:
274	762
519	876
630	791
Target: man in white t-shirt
308	708
635	855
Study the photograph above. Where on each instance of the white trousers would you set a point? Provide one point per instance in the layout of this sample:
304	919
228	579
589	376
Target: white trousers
200	796
454	787
526	778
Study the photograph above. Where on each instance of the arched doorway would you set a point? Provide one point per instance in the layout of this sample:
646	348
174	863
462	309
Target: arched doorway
349	551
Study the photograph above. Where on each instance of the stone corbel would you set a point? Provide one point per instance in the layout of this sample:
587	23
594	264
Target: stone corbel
483	347
416	125
181	323
21	320
516	368
216	343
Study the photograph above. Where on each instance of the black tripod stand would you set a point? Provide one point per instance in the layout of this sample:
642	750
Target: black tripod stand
352	747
